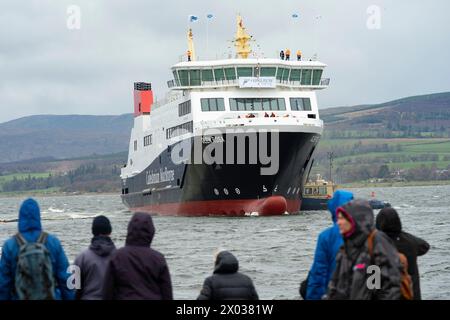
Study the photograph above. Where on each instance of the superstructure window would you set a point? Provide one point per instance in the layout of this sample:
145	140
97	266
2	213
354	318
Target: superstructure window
207	75
230	73
280	73
286	74
244	72
179	130
257	104
300	104
184	108
184	77
212	104
194	77
317	75
306	77
219	74
295	75
135	145
148	140
175	77
268	71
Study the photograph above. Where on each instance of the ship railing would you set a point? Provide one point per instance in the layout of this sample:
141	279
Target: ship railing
233	122
325	82
168	99
321	84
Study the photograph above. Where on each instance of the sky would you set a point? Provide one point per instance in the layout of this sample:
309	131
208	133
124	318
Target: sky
376	50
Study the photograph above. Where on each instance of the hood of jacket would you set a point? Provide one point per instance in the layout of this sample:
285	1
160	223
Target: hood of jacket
140	230
29	216
340	198
226	262
361	214
102	245
389	222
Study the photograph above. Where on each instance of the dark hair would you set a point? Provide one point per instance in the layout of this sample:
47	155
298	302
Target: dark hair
388	221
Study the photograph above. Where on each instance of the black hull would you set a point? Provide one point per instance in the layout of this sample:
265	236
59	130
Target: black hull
310	204
224	189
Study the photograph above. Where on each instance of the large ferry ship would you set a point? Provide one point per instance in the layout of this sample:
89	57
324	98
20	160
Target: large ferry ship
233	137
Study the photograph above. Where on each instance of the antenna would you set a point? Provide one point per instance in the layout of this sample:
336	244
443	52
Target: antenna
331	158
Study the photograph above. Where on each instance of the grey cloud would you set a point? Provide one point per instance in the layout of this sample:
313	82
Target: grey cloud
46	68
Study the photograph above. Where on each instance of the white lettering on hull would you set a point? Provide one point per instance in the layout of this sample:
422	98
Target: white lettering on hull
163	175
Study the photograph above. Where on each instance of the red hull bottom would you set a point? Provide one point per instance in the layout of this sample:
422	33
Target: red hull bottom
271	206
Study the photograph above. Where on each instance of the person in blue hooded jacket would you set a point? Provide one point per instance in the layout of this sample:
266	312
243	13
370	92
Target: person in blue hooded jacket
30	228
328	244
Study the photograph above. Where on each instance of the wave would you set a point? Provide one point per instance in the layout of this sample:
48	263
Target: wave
55	210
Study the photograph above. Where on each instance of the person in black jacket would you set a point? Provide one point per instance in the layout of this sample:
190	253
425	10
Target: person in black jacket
136	271
227	283
350	278
389	222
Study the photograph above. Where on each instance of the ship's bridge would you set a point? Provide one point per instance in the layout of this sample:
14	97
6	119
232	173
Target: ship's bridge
248	73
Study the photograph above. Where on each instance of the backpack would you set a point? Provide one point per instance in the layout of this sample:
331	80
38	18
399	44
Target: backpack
304	287
34	278
406	285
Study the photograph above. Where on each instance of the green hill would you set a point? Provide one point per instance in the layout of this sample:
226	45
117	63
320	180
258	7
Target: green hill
413	117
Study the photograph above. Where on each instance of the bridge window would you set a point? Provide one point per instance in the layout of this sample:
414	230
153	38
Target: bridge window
175	76
268	71
286	74
317	75
244	72
219	74
194	77
207	75
280	73
323	191
257	104
300	104
212	104
184	77
230	73
306	77
295	75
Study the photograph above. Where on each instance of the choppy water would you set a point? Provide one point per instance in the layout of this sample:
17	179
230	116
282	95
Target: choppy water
275	251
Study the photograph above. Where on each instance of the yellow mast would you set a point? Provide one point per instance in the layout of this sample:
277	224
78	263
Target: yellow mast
241	40
191	47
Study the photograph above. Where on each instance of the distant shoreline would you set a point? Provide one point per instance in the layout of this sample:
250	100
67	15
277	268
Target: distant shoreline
394	184
42	193
54	194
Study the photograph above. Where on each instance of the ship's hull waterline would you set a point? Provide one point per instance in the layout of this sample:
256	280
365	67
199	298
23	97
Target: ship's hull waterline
228	189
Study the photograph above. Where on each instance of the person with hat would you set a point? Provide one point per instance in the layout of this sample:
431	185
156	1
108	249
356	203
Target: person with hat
94	260
288	54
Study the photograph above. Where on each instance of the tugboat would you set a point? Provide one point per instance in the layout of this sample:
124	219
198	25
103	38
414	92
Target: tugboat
317	193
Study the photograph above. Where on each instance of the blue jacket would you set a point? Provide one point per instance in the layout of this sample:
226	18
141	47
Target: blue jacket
328	244
30	227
